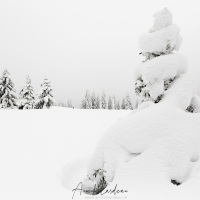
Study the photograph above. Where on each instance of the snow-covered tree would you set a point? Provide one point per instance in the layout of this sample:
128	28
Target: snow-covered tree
86	102
117	105
8	97
26	96
61	104
69	103
128	104
156	124
161	66
83	104
123	105
103	101
110	103
45	97
93	100
98	102
114	101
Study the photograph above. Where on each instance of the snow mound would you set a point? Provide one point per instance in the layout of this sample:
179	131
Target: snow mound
152	147
163	37
194	106
162	19
162	68
180	92
172	157
163	40
158	74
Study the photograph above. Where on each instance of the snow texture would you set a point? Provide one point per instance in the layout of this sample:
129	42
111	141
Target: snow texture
35	144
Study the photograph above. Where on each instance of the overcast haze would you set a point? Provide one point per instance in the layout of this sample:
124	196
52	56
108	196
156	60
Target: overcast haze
82	44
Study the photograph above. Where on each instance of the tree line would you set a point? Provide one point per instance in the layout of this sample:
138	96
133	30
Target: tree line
45	99
93	101
26	99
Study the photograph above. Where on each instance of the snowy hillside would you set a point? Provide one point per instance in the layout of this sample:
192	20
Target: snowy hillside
35	146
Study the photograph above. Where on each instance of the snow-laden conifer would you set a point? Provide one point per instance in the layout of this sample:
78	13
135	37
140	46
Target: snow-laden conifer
26	96
45	97
8	97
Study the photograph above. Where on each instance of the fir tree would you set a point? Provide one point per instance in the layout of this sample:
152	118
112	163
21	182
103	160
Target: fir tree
69	103
123	105
110	103
83	104
26	96
8	97
97	102
93	100
153	88
128	104
114	102
117	107
103	101
45	97
86	102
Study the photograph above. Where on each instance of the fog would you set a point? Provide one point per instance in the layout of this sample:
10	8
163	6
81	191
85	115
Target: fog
86	44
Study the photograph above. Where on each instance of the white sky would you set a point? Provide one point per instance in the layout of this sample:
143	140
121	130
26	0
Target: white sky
86	44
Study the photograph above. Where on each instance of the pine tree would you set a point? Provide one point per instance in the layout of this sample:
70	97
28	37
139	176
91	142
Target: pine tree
117	105
69	103
83	104
97	102
110	103
93	100
26	96
114	102
103	101
45	97
8	97
86	102
128	104
123	105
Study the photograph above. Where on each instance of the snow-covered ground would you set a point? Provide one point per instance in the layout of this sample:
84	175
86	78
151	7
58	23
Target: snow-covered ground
36	147
44	154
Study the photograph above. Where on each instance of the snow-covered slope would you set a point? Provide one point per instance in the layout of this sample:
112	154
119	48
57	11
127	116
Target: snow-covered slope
36	145
43	150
